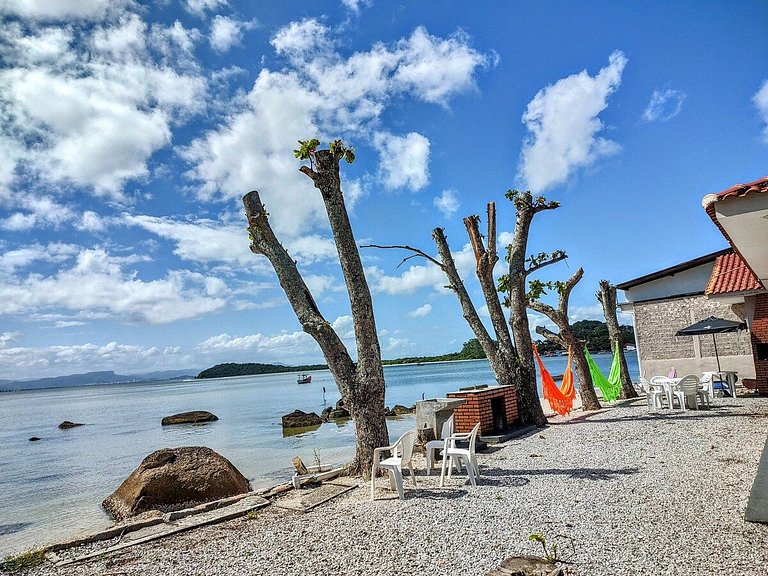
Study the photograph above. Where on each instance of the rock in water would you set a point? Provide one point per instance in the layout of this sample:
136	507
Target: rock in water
194	417
67	425
299	419
174	478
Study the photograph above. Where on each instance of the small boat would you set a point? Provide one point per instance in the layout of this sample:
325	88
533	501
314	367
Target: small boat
304	379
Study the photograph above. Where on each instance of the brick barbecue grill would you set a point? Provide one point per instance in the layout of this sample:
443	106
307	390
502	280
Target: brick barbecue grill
495	407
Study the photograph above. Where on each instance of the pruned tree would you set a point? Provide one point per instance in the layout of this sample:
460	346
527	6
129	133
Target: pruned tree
607	297
514	285
509	354
565	337
361	384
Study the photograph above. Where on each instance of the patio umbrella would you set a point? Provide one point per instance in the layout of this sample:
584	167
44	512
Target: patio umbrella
712	325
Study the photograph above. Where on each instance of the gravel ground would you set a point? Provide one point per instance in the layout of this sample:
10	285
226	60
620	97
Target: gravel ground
633	492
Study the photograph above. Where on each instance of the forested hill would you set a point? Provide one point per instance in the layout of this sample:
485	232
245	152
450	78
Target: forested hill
232	369
595	334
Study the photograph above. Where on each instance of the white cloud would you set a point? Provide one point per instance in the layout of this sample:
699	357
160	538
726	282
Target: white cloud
8	337
397	345
36	362
593	312
354	5
13	260
299	40
227	32
420	312
96	110
664	105
436	68
447	203
761	101
42	211
200	240
59	9
96	283
323	92
200	7
564	125
422	276
403	161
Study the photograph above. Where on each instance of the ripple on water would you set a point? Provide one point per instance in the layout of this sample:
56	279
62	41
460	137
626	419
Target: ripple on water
12	528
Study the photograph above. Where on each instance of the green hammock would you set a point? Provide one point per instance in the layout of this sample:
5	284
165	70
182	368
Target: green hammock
610	387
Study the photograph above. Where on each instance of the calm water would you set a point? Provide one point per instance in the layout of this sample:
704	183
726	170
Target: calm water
52	489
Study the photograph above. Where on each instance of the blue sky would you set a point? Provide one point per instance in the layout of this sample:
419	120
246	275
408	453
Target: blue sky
130	131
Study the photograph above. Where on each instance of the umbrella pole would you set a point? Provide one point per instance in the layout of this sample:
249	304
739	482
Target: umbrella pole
714	341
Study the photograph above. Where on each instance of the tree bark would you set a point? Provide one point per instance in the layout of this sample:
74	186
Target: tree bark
568	338
361	385
607	297
529	404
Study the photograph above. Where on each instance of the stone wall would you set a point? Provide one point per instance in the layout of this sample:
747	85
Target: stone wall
656	323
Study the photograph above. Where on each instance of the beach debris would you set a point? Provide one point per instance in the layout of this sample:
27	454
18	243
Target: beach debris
526	566
299	466
193	417
34	438
299	419
173	478
66	425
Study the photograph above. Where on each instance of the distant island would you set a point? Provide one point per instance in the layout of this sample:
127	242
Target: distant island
93	378
593	332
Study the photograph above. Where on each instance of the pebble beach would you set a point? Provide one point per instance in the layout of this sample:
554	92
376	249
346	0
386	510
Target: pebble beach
621	491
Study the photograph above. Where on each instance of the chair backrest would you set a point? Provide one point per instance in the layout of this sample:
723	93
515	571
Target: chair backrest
659	380
473	437
689	384
406	442
705	377
447	428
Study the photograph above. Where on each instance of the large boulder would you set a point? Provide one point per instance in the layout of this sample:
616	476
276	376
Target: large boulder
174	478
194	417
299	419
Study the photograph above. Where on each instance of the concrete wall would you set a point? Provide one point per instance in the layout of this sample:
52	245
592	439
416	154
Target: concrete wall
689	281
659	349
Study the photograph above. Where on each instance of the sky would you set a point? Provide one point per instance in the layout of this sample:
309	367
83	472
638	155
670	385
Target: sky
130	131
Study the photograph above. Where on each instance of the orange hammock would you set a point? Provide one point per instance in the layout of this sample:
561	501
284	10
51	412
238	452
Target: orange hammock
559	398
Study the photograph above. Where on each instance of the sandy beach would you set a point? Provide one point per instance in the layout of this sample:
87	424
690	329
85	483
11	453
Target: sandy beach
623	491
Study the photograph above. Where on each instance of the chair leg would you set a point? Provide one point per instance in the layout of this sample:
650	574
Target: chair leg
413	474
373	481
430	460
398	477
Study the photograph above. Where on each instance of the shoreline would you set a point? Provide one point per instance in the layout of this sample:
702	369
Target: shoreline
636	492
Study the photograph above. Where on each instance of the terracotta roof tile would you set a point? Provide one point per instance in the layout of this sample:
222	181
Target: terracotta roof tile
731	274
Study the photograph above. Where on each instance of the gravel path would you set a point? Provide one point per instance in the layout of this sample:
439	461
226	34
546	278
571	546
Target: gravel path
635	493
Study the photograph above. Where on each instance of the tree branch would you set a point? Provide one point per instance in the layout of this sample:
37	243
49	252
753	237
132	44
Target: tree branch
551	336
416	252
565	293
309	172
556	256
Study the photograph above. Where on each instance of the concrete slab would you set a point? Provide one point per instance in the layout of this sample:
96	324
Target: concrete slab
150	533
306	499
757	505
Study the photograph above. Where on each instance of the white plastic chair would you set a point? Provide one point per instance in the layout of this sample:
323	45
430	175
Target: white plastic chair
662	390
654	393
401	455
438	444
687	389
705	391
454	456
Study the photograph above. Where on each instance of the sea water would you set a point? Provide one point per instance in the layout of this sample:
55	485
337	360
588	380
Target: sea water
51	489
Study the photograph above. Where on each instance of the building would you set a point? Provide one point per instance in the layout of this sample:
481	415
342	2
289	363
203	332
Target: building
741	214
665	301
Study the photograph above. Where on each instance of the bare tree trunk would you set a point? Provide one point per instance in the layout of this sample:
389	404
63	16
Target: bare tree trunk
362	385
568	338
529	404
523	377
607	297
